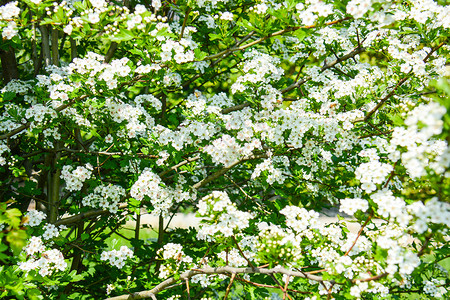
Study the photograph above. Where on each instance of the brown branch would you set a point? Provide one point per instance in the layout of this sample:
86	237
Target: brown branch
186	15
270	286
280	32
86	215
55	52
223	171
359	233
28	124
110	53
9	64
375	134
45	45
370	278
242	253
229	286
214	271
401	82
325	67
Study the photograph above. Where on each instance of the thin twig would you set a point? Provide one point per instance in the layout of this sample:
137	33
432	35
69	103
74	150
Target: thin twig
229	286
359	233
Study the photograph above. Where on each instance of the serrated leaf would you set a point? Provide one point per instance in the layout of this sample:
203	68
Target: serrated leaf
7	96
122	36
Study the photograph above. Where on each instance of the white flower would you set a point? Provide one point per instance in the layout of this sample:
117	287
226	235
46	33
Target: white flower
109	139
68	29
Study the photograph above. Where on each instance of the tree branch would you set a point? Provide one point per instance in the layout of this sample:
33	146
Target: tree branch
28	124
214	271
280	32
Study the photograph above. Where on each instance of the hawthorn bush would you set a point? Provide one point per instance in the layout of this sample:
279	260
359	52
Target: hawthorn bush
254	116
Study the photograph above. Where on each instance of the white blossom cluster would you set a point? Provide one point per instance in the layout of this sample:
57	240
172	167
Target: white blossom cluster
434	288
44	261
221	217
350	206
422	152
117	258
308	14
75	178
132	115
38	113
35	217
106	197
226	150
357	8
3	149
372	173
173	257
274	174
278	243
432	211
162	197
299	219
51	231
8	26
180	51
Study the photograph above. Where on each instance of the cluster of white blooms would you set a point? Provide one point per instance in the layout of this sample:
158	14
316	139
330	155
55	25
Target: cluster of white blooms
52	231
162	197
259	68
389	206
74	178
199	104
234	259
17	86
35	245
372	173
117	258
357	8
424	10
220	216
106	197
203	279
110	288
172	78
182	50
8	26
42	260
39	113
433	211
278	243
350	206
401	260
421	153
226	150
299	219
148	98
132	115
434	288
164	155
3	149
309	14
35	217
209	5
274	174
173	257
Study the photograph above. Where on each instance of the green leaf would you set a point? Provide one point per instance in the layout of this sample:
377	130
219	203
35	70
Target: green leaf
13	215
84	236
7	96
17	239
213	36
123	35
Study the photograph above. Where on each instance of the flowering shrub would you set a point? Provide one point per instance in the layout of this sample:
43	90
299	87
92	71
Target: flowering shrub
253	115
